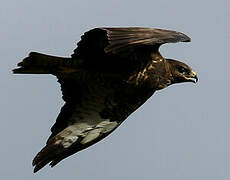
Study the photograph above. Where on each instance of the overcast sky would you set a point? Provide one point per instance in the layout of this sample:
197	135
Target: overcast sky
181	132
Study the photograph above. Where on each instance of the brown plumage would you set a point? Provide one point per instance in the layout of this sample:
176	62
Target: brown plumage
112	72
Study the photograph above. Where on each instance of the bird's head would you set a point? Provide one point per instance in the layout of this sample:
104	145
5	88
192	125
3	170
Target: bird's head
181	72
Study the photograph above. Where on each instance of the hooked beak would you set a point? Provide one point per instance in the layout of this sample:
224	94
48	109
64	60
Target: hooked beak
192	77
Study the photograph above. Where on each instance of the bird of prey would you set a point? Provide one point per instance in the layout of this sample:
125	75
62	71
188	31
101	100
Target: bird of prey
111	73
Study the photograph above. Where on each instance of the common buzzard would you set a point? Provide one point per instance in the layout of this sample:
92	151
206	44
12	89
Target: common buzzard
111	73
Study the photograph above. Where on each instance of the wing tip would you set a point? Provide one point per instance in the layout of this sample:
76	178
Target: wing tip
185	38
46	155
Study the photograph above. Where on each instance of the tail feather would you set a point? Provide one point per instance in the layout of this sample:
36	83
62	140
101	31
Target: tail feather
37	63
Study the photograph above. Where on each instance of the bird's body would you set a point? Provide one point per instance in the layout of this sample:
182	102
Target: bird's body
112	72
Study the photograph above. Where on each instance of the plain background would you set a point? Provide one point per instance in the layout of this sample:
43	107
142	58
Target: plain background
181	132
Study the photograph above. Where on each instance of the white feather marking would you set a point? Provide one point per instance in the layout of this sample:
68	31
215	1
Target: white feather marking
108	126
93	134
102	127
68	136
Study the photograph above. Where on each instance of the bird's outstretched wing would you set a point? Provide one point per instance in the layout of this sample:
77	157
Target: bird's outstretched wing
80	123
91	112
121	41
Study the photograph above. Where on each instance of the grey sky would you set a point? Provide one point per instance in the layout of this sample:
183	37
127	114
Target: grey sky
182	132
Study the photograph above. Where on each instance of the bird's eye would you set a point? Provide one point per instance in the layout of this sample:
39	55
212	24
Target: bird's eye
182	70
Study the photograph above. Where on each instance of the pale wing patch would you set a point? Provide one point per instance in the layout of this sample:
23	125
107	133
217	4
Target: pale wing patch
86	123
101	128
86	132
